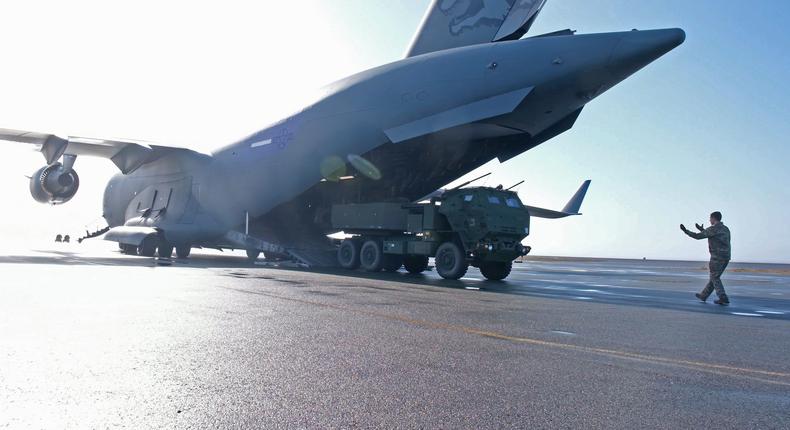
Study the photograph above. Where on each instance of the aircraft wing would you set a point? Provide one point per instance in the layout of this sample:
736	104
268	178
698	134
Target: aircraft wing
570	209
126	154
456	23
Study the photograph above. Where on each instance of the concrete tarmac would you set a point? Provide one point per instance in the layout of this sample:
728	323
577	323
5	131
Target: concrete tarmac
90	338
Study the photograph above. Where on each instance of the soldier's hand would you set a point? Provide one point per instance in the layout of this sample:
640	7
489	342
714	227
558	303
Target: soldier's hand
683	227
700	227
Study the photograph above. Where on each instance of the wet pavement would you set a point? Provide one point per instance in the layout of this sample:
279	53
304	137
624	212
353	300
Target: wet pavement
90	338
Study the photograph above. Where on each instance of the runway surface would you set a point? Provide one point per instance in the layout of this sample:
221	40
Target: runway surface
90	338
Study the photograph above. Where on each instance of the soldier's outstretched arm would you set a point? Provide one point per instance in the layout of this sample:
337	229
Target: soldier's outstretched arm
691	234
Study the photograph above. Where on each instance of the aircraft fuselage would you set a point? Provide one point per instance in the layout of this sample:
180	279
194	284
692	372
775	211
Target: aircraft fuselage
203	197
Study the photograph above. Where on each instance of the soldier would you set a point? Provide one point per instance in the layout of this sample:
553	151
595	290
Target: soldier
718	236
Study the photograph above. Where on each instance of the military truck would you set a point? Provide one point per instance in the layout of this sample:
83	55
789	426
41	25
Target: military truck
478	226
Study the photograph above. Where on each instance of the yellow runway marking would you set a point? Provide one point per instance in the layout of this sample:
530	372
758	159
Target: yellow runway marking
718	369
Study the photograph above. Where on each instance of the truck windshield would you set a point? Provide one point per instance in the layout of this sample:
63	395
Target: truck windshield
513	203
494	200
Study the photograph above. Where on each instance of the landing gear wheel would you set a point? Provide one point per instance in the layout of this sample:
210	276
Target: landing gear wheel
392	263
371	256
416	264
450	261
165	250
253	254
147	248
183	251
496	270
348	254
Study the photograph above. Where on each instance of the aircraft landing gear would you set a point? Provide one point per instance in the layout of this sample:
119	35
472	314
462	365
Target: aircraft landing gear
165	250
253	254
147	248
183	251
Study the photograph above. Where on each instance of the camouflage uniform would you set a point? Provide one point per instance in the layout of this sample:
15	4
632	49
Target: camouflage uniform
719	246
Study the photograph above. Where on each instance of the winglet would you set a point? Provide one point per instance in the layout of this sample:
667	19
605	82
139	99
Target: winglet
575	203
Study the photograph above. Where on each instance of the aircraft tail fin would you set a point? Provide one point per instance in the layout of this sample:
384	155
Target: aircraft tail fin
575	203
570	209
456	23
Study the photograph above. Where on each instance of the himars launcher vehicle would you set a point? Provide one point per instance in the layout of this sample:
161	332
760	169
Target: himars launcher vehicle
478	226
469	91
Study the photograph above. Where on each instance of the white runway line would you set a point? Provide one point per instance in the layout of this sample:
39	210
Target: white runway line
746	314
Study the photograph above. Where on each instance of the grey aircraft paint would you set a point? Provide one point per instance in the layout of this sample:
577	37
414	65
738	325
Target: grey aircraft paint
400	131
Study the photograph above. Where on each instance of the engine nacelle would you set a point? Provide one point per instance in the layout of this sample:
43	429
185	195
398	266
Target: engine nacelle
54	184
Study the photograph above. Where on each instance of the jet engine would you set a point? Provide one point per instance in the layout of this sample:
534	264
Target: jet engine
54	184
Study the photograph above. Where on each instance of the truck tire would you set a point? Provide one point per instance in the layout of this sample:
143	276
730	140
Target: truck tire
371	256
496	270
450	261
416	264
348	254
392	263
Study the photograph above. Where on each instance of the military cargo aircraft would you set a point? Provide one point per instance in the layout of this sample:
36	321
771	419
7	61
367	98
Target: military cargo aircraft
471	89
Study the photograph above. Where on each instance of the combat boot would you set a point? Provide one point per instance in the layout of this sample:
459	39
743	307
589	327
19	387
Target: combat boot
723	300
701	297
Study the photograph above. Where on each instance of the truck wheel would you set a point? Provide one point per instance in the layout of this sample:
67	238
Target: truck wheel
416	264
392	263
147	248
450	261
348	254
253	254
495	270
371	256
183	251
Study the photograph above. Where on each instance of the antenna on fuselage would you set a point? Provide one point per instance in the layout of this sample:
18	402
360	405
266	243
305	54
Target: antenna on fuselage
514	186
473	180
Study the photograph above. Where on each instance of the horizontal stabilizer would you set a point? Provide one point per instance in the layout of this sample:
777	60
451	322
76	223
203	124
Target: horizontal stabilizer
456	23
476	111
570	209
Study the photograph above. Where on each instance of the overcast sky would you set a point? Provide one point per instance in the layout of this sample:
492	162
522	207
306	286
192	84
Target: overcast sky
705	128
